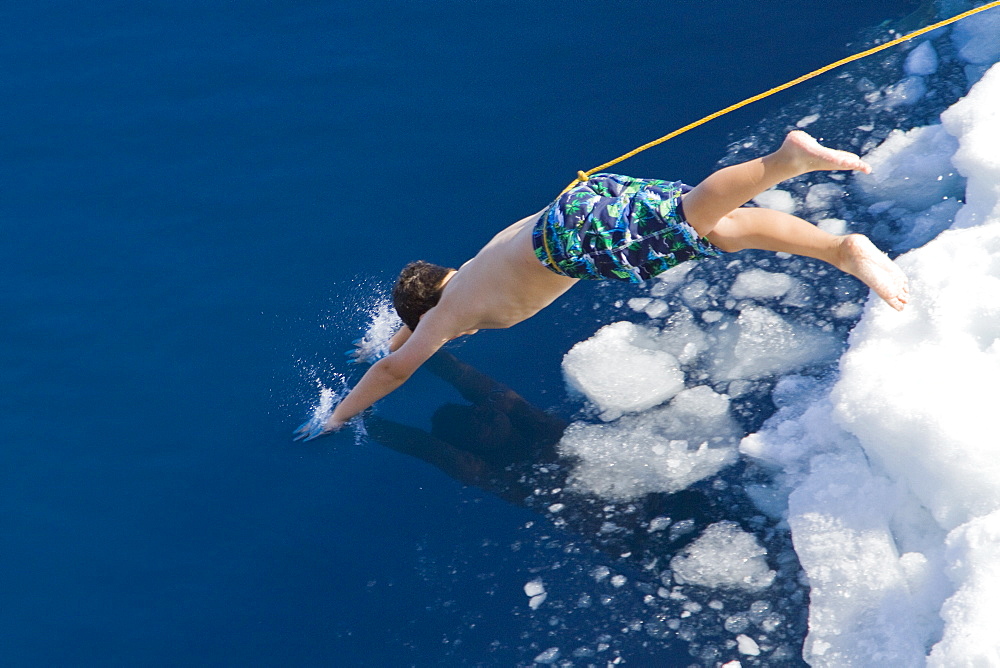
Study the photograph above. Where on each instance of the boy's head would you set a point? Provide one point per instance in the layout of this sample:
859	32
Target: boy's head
417	290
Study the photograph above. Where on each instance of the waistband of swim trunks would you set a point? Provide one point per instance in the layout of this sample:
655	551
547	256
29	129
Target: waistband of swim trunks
540	243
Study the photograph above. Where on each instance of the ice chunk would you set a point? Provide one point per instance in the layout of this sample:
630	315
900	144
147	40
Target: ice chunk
637	304
657	308
758	283
860	600
621	370
922	61
662	450
913	169
682	338
694	293
924	226
777	199
976	40
724	556
658	524
823	195
534	588
832	225
906	92
806	121
747	645
671	278
763	344
551	655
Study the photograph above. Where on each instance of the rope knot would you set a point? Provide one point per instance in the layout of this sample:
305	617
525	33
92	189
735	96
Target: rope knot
582	177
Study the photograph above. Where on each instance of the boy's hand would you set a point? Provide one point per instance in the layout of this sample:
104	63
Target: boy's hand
313	428
365	352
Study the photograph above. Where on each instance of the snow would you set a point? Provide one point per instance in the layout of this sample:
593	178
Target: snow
893	473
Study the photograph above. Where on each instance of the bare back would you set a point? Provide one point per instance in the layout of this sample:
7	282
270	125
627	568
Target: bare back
503	284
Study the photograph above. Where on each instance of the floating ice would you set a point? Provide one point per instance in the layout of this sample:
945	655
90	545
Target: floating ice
761	343
887	474
806	121
922	61
620	369
832	225
777	199
975	119
724	556
662	450
823	195
976	39
534	588
658	524
912	169
906	92
971	614
758	283
747	645
913	383
551	655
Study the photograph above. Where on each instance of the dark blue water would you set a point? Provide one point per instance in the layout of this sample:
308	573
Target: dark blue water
197	201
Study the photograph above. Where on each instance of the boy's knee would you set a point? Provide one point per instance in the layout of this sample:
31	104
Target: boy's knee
726	234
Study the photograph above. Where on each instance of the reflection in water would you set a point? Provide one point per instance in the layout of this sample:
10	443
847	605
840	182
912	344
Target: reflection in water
502	444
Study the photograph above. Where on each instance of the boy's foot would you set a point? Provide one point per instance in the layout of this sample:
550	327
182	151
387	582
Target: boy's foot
813	156
860	258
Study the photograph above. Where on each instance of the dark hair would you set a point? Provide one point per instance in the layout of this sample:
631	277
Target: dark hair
417	291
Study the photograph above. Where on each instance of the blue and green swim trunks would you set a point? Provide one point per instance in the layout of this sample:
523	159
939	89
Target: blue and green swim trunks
619	228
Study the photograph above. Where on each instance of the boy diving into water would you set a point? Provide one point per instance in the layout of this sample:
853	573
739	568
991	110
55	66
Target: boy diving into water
611	227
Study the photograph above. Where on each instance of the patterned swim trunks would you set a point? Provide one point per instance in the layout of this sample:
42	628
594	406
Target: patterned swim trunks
619	228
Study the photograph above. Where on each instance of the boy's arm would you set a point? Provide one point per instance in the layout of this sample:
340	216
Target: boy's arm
390	372
399	338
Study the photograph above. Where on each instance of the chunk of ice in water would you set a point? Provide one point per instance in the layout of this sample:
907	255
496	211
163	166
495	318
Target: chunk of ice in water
724	556
761	284
922	61
777	199
747	645
618	460
621	370
823	196
551	655
764	344
534	588
658	524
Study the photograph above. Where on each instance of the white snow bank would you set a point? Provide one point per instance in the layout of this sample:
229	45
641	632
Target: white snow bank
895	472
919	388
975	119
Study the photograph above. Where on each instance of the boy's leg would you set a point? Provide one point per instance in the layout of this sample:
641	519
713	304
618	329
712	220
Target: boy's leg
732	187
764	229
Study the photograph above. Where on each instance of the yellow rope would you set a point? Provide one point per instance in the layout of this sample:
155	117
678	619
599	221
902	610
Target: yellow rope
584	176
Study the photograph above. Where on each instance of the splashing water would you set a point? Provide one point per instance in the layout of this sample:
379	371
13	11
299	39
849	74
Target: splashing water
383	324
